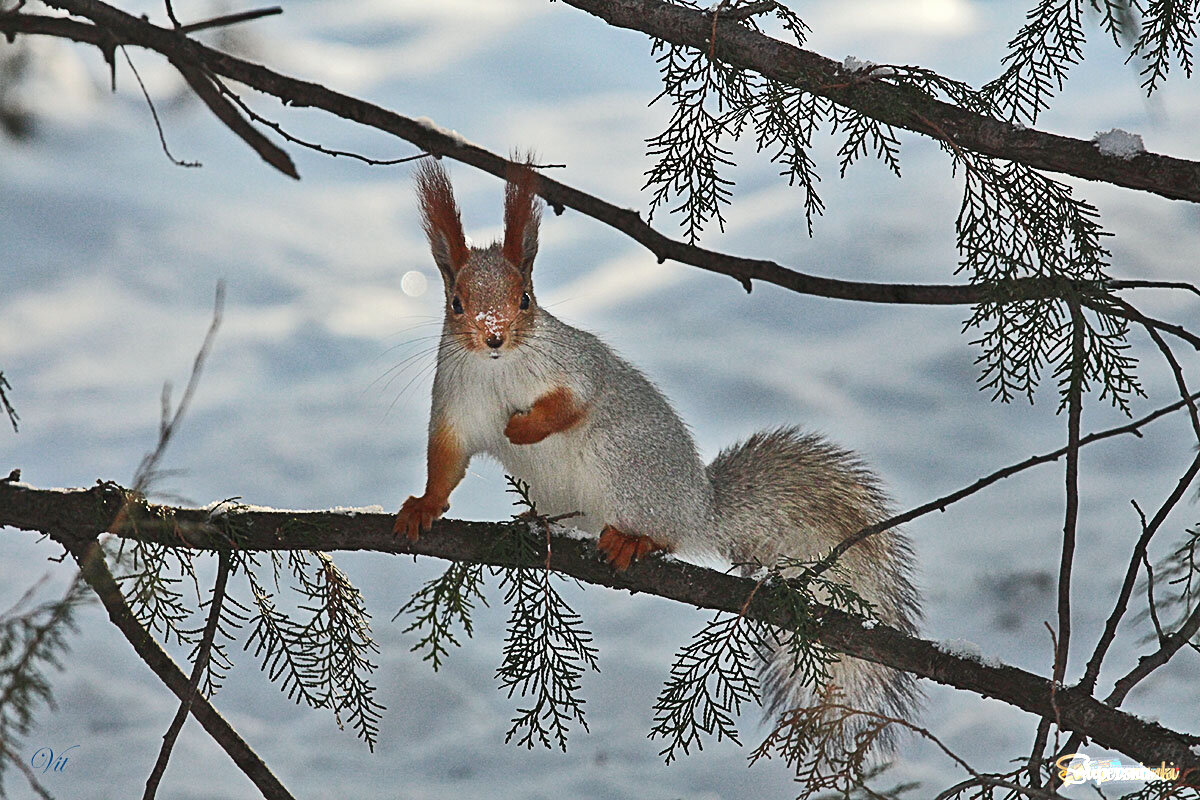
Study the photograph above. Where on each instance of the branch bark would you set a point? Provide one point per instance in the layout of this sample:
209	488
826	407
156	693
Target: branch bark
900	106
67	516
113	26
78	536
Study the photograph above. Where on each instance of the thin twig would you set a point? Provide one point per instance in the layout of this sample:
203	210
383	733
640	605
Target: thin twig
230	19
169	421
1176	370
203	653
275	126
1151	604
941	503
1126	311
162	139
7	406
1125	283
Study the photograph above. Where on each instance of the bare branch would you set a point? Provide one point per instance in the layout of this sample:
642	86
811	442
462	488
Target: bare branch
230	19
170	421
90	556
203	653
72	516
206	89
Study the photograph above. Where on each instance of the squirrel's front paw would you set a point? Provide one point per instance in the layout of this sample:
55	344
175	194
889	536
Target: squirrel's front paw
417	514
523	428
622	549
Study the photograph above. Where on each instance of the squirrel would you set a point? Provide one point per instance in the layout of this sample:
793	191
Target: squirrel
591	434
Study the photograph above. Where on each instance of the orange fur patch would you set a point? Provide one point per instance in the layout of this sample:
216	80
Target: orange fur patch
439	212
447	464
555	411
521	214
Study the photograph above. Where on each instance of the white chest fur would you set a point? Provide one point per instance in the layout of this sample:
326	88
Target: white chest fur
561	469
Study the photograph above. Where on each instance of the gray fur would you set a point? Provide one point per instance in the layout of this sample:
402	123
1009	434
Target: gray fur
632	464
794	494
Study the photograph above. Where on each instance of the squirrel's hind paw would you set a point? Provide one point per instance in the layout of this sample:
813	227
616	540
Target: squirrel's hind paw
417	515
622	549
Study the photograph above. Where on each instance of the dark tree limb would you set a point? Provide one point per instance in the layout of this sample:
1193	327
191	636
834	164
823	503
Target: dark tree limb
900	106
203	653
78	537
69	516
1062	637
115	26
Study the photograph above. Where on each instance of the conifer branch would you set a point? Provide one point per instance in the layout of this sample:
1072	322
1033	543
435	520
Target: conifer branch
68	516
78	537
897	105
110	26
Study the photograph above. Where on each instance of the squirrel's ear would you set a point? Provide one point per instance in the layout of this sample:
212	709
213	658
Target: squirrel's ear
522	214
441	219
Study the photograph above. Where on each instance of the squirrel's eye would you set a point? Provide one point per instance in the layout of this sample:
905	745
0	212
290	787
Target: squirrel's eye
456	304
524	300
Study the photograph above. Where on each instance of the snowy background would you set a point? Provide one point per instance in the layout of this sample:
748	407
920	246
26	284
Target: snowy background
109	263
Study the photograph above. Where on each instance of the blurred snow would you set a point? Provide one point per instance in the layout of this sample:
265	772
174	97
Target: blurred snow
316	393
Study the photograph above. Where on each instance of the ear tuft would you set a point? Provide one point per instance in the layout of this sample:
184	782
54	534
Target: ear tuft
522	214
441	218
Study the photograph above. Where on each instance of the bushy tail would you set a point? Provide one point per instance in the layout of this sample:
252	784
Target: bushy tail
784	493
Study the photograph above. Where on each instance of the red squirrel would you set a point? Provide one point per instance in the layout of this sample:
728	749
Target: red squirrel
591	434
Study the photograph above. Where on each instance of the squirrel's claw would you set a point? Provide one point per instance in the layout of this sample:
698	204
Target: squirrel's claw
417	515
622	549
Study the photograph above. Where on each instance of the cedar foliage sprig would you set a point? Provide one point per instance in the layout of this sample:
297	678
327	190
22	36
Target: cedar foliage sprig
713	102
441	605
33	640
324	660
547	649
713	676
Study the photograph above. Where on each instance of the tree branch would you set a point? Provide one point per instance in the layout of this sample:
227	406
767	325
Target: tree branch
78	537
68	516
897	105
114	26
203	653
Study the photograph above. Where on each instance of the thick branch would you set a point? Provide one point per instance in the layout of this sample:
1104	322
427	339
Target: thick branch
68	515
77	534
114	26
901	106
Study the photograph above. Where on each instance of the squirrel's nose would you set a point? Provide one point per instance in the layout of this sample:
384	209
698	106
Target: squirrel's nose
494	340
